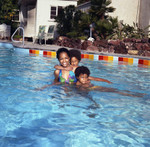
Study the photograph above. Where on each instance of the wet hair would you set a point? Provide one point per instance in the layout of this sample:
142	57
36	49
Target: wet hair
75	53
82	70
61	50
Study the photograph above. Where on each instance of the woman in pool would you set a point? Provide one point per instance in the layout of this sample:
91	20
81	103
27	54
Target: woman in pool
63	75
75	58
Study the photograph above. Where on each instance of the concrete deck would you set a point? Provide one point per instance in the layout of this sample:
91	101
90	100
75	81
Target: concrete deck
48	47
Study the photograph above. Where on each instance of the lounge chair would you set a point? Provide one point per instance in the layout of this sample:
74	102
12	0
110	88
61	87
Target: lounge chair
41	34
50	33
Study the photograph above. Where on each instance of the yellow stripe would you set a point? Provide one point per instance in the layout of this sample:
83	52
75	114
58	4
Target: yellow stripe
37	52
91	57
110	58
130	61
53	54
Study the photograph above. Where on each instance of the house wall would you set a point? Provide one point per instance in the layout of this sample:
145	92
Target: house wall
126	10
43	11
144	18
137	11
27	18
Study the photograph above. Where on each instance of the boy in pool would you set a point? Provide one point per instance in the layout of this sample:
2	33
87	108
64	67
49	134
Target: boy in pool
75	58
82	73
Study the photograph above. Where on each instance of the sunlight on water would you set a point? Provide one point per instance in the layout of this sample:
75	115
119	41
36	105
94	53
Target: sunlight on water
63	116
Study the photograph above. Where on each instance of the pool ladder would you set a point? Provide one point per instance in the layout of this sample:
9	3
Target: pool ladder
22	35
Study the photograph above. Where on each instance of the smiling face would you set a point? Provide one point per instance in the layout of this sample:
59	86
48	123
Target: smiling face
64	59
83	78
74	61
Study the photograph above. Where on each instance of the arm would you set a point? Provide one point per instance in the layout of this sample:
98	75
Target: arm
45	86
56	74
48	85
99	79
58	67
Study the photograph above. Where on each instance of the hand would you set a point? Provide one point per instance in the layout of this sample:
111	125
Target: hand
88	82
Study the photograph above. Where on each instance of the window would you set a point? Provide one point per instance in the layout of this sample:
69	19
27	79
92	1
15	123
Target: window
59	9
54	11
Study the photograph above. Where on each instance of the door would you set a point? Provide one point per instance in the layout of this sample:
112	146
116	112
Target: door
30	31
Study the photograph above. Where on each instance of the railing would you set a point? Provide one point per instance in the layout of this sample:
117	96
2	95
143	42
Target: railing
15	33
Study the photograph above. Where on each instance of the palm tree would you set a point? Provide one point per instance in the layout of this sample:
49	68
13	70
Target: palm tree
99	16
100	8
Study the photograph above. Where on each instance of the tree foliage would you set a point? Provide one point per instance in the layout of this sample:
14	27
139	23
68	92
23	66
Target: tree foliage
100	9
7	10
68	20
74	23
105	28
104	24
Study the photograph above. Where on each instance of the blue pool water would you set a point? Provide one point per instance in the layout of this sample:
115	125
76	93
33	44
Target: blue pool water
63	116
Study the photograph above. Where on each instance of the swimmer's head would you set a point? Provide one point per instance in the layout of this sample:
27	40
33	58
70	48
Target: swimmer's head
82	73
63	56
62	50
75	57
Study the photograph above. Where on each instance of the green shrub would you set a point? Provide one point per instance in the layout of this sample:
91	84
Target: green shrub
17	36
72	34
83	38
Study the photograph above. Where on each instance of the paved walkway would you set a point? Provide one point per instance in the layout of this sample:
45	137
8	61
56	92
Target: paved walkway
30	45
48	47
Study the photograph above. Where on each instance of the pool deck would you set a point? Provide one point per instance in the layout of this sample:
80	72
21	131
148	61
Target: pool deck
48	47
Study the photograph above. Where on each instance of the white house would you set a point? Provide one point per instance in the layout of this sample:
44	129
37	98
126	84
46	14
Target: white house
35	13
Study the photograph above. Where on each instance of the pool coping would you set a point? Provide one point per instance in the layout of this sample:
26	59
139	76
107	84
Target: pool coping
50	51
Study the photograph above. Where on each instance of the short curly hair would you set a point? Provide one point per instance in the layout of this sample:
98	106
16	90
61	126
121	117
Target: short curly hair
60	50
75	53
82	70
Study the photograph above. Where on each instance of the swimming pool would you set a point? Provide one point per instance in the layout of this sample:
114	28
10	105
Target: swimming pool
62	116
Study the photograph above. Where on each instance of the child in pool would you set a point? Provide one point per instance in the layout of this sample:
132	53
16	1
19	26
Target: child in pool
75	58
82	73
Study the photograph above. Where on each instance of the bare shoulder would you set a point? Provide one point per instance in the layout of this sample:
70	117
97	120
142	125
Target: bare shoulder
56	72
